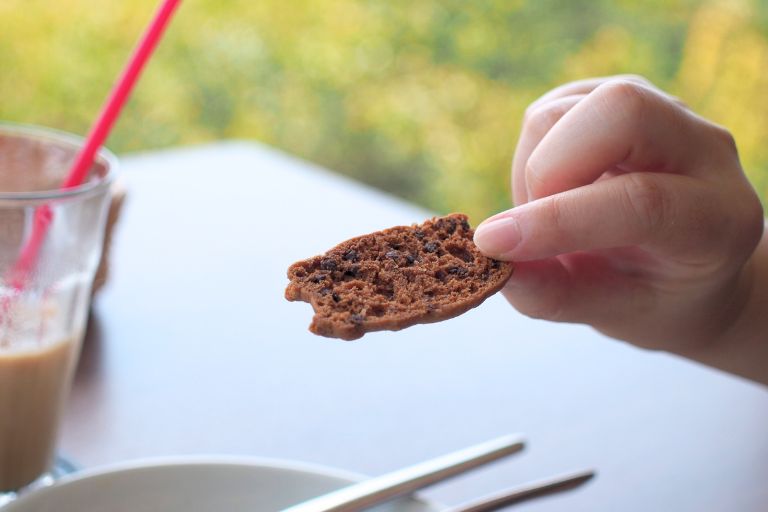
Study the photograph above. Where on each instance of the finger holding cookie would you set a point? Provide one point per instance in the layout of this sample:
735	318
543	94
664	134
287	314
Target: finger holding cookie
634	216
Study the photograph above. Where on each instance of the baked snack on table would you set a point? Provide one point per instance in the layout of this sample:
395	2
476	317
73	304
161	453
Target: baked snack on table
117	199
395	278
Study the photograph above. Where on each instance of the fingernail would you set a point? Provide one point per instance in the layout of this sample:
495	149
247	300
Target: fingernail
498	236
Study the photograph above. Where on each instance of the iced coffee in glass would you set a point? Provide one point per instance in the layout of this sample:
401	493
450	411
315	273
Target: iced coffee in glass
44	302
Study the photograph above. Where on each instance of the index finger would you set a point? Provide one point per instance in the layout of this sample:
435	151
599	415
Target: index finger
587	85
618	125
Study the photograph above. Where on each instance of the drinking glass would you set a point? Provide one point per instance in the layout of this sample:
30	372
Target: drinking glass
44	303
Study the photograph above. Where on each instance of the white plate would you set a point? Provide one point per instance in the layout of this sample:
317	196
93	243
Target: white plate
211	484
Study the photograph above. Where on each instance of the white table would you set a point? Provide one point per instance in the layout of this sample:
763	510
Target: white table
192	349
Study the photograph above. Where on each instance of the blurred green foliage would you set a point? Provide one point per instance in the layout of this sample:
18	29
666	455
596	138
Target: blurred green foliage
423	99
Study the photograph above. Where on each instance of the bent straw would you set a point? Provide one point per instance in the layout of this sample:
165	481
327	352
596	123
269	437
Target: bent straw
96	137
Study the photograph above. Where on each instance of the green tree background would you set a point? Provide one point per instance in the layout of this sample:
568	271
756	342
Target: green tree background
423	99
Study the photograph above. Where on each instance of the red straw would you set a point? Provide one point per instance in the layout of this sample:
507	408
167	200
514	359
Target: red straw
119	94
96	137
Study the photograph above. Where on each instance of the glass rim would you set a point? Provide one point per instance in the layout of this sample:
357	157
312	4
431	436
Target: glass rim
62	139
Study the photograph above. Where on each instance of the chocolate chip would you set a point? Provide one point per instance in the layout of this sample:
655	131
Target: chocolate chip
458	271
430	246
418	234
377	310
392	255
459	252
451	226
325	291
464	225
328	264
335	297
351	255
356	319
495	264
317	278
440	274
352	271
410	258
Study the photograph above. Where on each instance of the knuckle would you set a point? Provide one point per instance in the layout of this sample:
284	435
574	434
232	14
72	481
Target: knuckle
677	101
724	137
555	212
555	215
540	119
632	77
625	95
647	201
534	181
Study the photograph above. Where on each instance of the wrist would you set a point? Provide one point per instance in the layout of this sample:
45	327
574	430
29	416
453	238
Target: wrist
735	307
740	343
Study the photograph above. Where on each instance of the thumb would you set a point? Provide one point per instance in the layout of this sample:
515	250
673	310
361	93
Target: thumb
673	214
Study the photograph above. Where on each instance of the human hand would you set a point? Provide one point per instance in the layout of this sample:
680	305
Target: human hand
633	216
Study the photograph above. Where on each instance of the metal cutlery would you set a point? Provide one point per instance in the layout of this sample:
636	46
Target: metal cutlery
525	492
407	480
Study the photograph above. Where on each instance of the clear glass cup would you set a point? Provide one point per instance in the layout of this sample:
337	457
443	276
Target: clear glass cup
43	316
